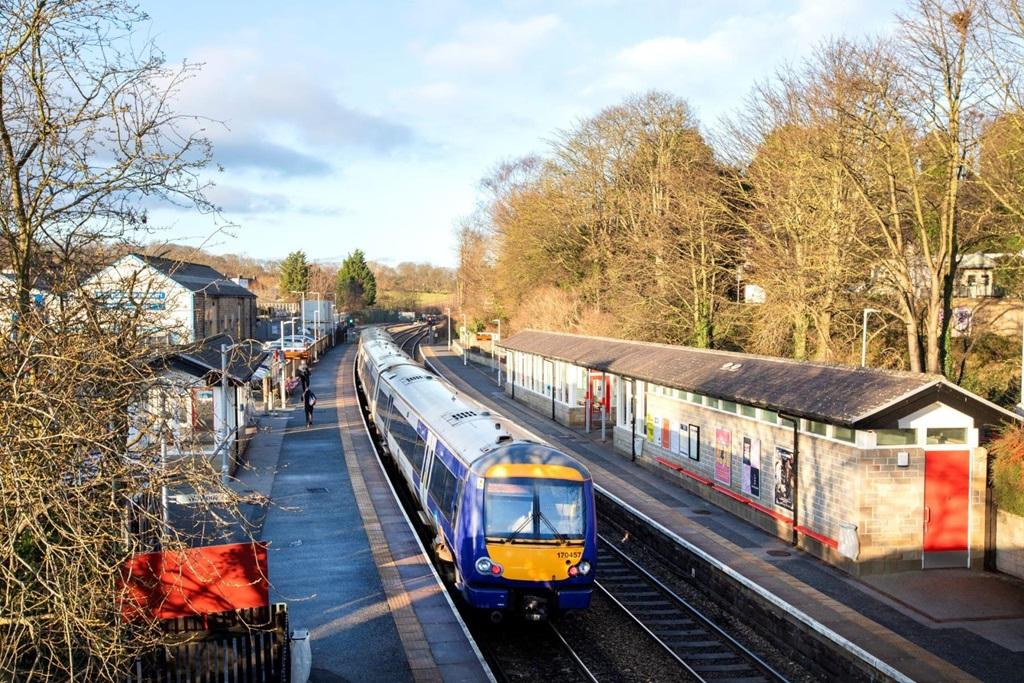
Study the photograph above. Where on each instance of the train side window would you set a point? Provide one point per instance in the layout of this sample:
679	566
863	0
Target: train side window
419	451
442	487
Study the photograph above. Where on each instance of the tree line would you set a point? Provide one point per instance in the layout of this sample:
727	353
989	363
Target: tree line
856	179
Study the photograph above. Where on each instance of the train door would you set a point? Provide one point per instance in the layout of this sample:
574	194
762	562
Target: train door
428	462
946	508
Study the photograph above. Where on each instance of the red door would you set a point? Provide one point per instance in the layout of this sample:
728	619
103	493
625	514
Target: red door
946	500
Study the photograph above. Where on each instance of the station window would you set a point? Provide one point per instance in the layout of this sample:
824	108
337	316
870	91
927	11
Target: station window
748	411
692	397
896	437
819	428
844	434
677	394
946	435
728	406
769	416
710	402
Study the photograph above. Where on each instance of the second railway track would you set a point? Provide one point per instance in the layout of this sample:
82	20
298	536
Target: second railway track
700	645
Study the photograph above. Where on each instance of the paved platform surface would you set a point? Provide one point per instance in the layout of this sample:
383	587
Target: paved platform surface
898	618
343	557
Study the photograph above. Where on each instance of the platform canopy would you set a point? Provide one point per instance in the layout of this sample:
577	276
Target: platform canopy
859	398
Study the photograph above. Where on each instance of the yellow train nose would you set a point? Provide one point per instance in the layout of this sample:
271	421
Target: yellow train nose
521	562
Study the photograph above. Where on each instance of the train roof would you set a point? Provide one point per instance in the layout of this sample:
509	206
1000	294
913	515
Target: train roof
528	453
464	426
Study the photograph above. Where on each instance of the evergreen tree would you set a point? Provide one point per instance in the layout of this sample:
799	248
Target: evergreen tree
294	274
356	284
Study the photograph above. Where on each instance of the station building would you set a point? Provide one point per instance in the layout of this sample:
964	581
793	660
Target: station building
185	302
872	470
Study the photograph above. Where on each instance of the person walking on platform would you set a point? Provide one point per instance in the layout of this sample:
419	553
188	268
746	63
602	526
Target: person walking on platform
303	375
308	402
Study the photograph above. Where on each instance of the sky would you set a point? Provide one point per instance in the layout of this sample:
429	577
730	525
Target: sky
368	125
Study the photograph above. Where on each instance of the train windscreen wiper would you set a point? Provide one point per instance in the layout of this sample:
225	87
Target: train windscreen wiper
560	537
519	529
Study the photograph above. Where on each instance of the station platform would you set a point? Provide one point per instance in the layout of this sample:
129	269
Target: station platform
341	553
927	625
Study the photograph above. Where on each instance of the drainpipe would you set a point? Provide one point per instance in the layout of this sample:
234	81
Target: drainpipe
548	360
796	476
632	420
512	373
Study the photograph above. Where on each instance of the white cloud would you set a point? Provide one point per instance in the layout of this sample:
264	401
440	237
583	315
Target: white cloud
278	114
491	45
711	69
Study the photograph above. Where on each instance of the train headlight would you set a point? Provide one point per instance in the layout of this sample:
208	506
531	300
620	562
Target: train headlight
485	566
584	567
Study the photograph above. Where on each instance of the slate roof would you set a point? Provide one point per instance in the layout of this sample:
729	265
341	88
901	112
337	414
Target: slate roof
196	277
204	359
842	395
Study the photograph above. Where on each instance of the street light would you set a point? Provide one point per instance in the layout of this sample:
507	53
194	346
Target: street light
284	362
498	363
316	332
448	314
302	311
465	341
864	336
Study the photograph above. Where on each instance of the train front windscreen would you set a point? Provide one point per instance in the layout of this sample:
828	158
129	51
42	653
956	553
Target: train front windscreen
527	510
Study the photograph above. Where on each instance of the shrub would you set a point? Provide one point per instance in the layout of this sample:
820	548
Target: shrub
1008	469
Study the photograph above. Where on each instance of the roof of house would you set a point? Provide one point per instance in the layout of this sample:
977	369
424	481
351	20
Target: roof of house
842	395
204	359
978	260
196	277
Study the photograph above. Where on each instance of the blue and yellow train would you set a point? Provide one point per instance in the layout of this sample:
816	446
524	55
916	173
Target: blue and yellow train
515	519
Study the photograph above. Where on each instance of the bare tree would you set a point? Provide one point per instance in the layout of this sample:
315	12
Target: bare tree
88	136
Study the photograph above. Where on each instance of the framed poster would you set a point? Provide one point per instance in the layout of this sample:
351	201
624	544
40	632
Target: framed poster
683	439
723	456
650	428
666	431
693	434
784	477
751	477
675	441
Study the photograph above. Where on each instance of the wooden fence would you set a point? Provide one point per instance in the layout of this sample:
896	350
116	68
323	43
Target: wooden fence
244	646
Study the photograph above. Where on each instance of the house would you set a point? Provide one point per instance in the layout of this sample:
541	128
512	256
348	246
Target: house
185	302
976	277
39	294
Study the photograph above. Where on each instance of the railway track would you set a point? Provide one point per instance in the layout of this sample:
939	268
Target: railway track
704	649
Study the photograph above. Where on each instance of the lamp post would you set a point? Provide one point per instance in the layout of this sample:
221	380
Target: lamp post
302	311
284	362
1020	406
465	340
864	336
316	330
448	315
316	335
496	358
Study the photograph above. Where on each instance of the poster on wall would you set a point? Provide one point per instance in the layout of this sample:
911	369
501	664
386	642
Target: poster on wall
683	437
650	428
656	432
723	456
694	439
675	441
751	477
666	431
784	477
